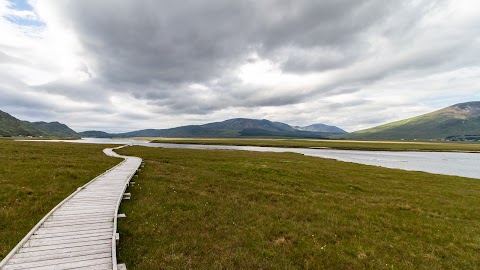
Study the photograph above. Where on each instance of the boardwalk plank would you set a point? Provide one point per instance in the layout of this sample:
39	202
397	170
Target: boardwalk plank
75	228
94	267
64	263
69	233
42	253
56	256
56	242
59	247
72	236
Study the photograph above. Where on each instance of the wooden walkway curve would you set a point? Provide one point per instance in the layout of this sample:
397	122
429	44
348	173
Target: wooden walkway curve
81	231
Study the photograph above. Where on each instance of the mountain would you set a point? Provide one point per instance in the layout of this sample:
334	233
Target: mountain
238	127
245	123
11	126
95	134
54	129
322	128
457	122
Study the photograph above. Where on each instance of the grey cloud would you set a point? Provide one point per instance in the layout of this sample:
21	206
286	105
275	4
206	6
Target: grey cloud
23	106
158	47
144	41
169	41
132	116
350	104
317	60
93	91
176	42
155	50
311	23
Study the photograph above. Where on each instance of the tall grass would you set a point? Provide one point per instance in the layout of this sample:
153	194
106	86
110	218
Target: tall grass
213	209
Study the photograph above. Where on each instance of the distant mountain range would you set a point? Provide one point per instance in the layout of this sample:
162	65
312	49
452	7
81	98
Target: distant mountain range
11	126
458	122
322	128
237	127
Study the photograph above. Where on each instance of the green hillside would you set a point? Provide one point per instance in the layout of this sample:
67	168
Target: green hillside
54	129
322	128
95	134
457	122
11	126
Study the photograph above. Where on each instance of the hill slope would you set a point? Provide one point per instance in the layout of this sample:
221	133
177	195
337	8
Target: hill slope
245	123
55	129
11	126
322	128
95	134
457	121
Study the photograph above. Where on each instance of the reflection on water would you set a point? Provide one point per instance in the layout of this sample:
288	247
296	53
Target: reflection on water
460	164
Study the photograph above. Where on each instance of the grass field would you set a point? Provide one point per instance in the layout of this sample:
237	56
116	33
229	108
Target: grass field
36	176
335	144
213	209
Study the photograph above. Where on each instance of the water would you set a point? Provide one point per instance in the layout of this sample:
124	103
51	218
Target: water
448	163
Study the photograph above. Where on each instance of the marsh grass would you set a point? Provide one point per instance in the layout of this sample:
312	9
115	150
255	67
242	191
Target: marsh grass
36	176
333	144
214	209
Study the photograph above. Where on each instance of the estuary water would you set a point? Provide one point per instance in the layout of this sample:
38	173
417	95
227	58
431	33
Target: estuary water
448	163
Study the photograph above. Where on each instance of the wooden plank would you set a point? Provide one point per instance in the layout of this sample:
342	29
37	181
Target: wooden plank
70	233
96	267
63	223
72	236
55	256
52	233
71	217
76	228
94	201
81	211
60	247
56	242
79	220
63	263
80	249
89	205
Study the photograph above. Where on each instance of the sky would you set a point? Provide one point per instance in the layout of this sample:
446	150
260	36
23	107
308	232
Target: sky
119	65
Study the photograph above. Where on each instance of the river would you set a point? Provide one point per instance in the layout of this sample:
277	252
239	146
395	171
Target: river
448	163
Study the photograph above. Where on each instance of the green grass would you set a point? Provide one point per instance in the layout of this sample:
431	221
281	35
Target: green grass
213	209
334	144
36	176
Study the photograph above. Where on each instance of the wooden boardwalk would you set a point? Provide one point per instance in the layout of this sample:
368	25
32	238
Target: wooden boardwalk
80	232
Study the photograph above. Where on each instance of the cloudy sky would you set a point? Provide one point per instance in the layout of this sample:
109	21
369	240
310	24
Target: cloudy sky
122	65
